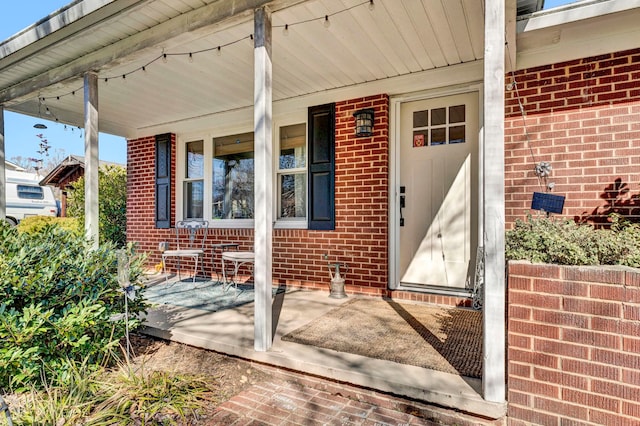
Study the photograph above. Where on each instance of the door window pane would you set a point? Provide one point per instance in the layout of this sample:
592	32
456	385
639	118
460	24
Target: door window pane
421	118
456	114
438	136
233	177
438	116
446	126
456	134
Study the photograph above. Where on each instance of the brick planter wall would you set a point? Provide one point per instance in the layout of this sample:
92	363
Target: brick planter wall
583	117
573	344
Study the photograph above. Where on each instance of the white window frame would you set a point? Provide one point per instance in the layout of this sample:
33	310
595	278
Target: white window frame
185	179
292	222
208	136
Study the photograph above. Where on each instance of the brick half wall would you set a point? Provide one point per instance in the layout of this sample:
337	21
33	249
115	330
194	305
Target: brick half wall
573	344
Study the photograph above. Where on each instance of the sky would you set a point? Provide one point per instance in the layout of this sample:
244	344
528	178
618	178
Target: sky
21	139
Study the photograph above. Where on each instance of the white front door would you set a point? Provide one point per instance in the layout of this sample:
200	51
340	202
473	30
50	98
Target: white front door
438	191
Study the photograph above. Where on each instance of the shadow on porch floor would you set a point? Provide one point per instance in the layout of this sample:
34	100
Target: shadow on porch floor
203	315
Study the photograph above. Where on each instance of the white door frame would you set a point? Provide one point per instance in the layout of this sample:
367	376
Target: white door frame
394	176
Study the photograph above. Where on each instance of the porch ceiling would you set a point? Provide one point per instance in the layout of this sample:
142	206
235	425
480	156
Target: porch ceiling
399	37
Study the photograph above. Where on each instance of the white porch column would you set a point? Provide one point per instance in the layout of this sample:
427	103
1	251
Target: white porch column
263	335
3	175
493	379
91	157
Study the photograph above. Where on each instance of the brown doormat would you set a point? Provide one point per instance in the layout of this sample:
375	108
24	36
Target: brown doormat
438	338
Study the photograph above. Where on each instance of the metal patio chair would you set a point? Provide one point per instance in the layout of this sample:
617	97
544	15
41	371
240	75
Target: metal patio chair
191	235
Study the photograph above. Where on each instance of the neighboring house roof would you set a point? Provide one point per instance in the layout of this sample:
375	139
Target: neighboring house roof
12	166
69	170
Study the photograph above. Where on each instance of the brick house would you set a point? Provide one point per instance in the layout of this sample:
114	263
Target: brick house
214	116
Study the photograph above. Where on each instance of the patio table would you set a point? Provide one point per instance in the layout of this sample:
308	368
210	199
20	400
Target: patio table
220	248
238	258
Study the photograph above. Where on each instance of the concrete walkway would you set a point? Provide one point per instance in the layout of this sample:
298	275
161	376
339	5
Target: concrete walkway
231	332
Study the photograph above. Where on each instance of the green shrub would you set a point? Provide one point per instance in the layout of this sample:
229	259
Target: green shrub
58	302
564	242
112	209
36	224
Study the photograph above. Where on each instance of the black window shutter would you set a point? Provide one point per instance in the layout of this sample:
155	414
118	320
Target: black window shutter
322	167
163	181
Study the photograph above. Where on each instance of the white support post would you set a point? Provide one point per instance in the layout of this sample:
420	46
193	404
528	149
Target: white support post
494	333
263	334
3	174
91	163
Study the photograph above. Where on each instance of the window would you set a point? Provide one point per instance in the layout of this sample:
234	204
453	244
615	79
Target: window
30	192
439	126
217	175
292	173
233	177
194	180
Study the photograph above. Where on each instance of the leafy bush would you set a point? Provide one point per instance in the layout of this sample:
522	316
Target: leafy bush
36	224
58	301
112	200
564	242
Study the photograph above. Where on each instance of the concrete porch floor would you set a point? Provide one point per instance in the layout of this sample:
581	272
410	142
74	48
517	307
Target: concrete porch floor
231	331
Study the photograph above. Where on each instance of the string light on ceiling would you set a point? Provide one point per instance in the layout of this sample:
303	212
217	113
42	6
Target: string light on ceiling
164	56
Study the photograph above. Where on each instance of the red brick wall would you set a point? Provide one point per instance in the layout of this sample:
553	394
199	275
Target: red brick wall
141	197
360	238
361	200
573	345
583	117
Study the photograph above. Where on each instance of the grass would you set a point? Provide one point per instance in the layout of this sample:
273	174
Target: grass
121	396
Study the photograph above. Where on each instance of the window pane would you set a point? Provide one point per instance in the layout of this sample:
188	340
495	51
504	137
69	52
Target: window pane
194	168
438	116
456	134
421	118
293	195
420	138
456	114
438	136
30	192
293	153
233	177
193	193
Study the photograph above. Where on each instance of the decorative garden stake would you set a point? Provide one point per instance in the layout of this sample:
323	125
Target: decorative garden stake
128	290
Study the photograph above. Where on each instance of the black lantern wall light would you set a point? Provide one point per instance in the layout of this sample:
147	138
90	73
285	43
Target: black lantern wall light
364	122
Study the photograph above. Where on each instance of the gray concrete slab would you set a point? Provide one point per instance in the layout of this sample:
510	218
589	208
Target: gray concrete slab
231	332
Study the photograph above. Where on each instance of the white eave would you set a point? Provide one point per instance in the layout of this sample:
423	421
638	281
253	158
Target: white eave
577	30
399	39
